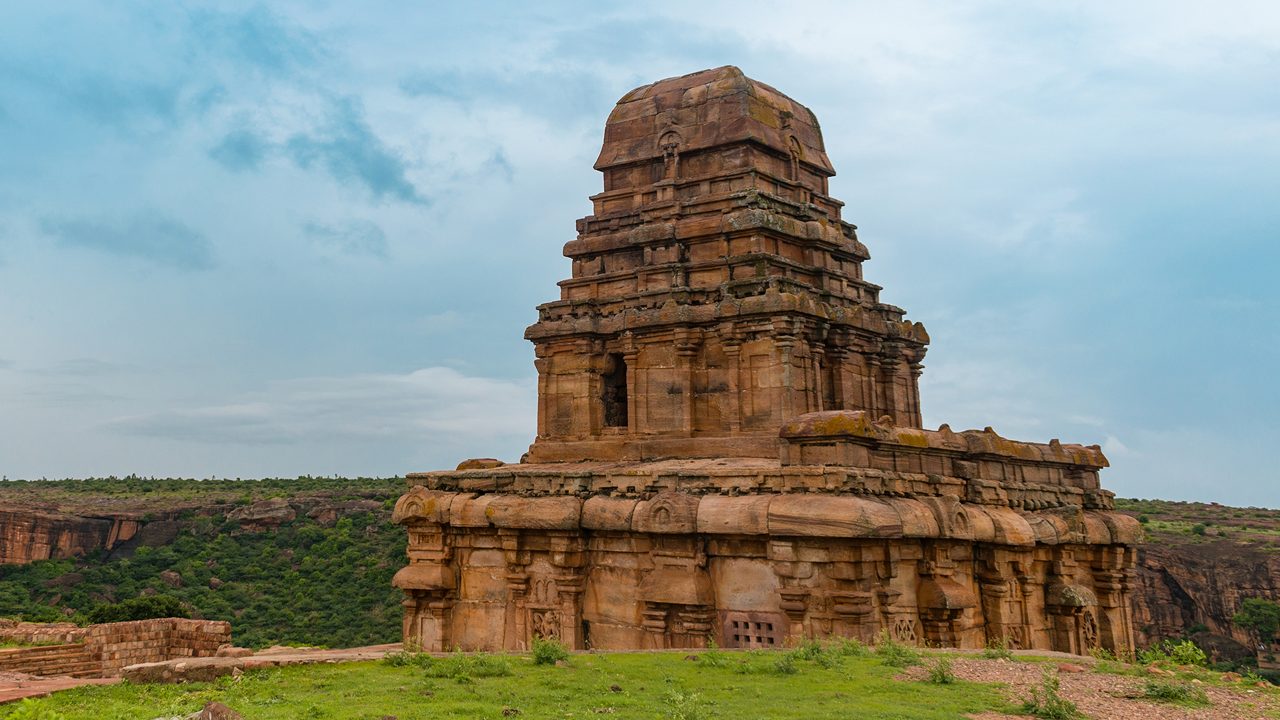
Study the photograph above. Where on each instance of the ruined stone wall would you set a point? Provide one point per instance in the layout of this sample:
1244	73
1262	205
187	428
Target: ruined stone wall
41	633
129	643
103	650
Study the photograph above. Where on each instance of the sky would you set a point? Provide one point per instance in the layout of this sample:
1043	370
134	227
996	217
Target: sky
251	240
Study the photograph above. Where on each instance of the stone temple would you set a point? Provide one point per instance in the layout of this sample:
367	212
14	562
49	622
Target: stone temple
729	436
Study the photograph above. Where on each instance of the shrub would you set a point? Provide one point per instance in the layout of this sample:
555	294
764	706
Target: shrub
1175	692
998	649
1259	616
548	651
1046	703
713	656
1186	652
141	608
29	710
893	653
785	665
406	659
463	668
1182	652
851	647
941	673
683	705
1198	529
1103	654
1144	519
808	650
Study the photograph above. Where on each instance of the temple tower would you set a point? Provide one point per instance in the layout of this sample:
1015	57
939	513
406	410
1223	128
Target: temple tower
716	292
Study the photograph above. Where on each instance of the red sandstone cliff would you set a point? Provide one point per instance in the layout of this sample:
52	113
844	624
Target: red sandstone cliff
28	534
1182	585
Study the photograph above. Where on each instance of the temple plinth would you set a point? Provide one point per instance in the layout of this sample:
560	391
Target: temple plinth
729	437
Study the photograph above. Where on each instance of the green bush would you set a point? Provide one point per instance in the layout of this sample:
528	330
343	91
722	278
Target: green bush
1102	654
548	651
785	665
817	653
1259	616
1047	703
998	649
140	608
464	668
713	656
1170	652
850	647
895	654
683	705
1174	691
406	659
29	710
941	672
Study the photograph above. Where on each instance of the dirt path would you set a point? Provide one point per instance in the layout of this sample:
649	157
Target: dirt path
1104	696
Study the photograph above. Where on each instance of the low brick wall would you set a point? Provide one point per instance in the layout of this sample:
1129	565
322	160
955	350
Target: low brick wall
144	641
41	633
101	650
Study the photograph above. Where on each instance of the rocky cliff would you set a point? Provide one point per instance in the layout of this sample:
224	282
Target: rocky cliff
1199	563
28	534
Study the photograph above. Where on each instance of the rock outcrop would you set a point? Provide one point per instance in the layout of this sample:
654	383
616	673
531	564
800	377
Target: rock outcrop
1182	586
27	534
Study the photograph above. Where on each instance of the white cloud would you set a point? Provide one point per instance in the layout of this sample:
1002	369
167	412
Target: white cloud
430	405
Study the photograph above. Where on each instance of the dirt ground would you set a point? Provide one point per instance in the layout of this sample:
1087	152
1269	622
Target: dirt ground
1104	696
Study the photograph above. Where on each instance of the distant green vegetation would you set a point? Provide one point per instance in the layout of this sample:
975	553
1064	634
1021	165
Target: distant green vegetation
672	686
301	584
149	489
140	608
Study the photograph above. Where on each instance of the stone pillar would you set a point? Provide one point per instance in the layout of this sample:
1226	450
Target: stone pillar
568	557
794	602
517	577
629	355
543	365
787	405
915	418
687	342
732	343
1111	578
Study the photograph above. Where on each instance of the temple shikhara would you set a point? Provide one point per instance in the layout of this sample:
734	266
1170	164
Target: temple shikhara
730	445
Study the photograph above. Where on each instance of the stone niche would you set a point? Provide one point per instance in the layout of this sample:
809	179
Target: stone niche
729	438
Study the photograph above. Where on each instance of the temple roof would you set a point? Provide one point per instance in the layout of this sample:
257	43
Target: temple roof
707	109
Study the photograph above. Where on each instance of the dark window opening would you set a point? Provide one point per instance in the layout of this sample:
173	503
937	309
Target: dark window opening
615	392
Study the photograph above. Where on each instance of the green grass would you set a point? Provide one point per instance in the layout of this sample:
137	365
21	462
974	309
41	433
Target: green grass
627	685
